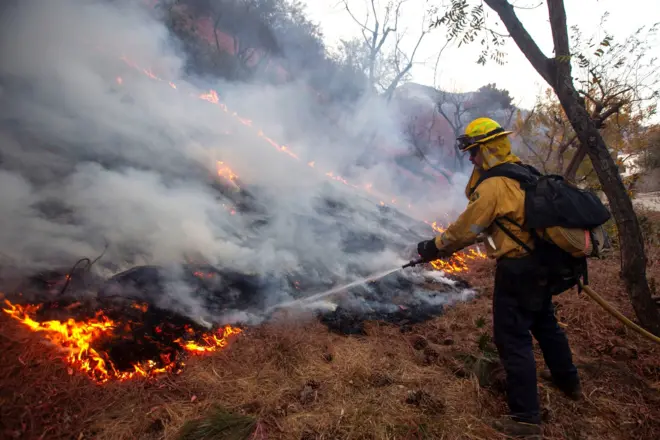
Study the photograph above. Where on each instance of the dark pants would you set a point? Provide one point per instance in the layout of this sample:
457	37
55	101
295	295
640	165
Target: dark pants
515	316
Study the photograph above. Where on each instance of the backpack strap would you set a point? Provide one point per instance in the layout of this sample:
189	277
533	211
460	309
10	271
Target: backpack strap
523	173
511	235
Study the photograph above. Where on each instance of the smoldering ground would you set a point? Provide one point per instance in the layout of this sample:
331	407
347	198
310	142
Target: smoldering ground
88	160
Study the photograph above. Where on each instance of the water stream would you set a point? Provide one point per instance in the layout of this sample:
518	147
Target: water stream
320	295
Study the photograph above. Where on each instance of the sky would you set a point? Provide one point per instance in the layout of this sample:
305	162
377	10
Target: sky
457	69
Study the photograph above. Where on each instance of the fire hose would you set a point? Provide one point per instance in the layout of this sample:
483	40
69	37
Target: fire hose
618	315
596	297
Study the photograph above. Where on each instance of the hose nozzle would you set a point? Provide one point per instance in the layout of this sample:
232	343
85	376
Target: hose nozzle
413	263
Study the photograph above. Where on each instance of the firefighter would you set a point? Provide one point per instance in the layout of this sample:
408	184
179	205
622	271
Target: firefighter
519	306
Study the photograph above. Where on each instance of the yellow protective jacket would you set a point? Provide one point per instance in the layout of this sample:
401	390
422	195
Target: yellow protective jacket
495	197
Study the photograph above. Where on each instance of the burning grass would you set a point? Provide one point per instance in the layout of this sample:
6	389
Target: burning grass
105	348
117	336
297	380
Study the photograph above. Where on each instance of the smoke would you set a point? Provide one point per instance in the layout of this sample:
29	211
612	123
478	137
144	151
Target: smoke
95	151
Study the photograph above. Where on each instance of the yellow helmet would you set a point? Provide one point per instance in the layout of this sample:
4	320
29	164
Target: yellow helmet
479	131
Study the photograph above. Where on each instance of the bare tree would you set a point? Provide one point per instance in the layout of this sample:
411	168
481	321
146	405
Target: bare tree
384	64
420	131
452	107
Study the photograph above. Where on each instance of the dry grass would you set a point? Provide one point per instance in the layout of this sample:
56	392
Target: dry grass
298	381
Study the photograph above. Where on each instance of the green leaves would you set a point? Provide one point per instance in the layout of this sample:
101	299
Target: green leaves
465	23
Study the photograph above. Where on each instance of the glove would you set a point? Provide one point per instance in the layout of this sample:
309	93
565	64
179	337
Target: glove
427	250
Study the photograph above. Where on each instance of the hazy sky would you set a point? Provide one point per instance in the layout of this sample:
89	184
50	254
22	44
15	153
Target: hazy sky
457	69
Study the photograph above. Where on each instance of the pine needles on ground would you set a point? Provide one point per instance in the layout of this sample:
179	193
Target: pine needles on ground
218	424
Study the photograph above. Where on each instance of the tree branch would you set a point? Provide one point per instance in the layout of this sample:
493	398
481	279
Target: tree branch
362	25
529	8
598	82
402	73
373	8
574	164
559	30
567	143
447	118
522	38
609	112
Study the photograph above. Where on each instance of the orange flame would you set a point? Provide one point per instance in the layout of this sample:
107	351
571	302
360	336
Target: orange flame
211	342
142	307
150	74
211	96
436	227
77	338
459	261
225	172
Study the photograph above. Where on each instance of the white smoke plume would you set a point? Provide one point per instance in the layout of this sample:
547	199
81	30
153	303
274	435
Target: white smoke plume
95	151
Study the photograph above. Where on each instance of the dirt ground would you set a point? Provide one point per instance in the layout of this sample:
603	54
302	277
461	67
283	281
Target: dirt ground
298	381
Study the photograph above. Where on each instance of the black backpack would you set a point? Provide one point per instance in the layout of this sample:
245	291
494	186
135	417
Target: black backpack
564	221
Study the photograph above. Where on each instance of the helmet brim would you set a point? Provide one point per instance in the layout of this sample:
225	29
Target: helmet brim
484	140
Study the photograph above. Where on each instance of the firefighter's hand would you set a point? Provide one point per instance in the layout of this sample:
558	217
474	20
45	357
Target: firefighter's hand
427	250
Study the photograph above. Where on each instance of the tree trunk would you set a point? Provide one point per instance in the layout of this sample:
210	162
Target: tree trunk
557	72
633	258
